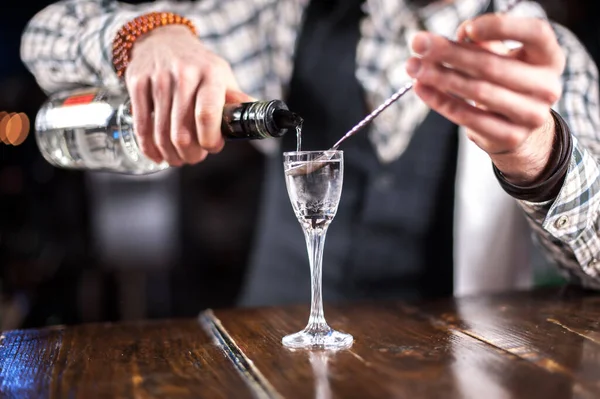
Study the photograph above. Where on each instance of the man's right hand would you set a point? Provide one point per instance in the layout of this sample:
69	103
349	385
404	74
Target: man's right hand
178	89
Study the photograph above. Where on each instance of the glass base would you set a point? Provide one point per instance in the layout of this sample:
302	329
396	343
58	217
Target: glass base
328	339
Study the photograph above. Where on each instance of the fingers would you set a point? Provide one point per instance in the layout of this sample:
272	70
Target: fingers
177	114
511	91
208	114
163	99
520	109
141	109
476	62
537	36
234	96
178	90
209	102
498	136
183	126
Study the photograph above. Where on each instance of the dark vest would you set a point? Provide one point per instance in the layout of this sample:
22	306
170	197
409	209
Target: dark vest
392	235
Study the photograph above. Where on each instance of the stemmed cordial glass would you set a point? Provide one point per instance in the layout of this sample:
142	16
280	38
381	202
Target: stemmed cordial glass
314	184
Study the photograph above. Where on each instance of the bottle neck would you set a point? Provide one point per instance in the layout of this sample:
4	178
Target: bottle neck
258	120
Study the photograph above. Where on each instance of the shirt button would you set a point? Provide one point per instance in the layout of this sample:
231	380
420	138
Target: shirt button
561	222
594	265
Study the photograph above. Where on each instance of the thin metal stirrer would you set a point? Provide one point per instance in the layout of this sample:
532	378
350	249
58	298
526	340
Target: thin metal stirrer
303	169
393	98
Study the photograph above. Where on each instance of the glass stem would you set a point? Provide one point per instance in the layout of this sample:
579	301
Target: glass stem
315	240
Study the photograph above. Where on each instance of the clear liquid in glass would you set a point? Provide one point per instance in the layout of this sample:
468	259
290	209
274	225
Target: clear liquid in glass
315	196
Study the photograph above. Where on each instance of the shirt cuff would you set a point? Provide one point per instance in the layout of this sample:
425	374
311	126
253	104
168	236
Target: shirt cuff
552	179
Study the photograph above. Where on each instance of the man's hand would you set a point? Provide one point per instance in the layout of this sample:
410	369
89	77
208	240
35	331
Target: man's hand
510	92
178	89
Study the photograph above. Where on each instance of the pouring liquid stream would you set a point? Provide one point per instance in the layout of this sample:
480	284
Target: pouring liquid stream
309	168
299	137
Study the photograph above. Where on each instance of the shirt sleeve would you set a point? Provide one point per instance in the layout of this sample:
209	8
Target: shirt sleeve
69	43
568	226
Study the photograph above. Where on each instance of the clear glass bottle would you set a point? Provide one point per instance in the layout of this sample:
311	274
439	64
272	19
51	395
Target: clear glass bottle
92	129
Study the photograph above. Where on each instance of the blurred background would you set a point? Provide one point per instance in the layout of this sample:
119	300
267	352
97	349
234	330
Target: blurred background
80	247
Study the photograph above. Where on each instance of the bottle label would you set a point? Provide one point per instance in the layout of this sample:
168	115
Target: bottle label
79	99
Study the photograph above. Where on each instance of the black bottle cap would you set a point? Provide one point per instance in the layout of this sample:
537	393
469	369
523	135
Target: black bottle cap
286	119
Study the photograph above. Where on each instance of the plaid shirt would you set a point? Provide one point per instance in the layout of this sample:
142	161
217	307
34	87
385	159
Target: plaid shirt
68	44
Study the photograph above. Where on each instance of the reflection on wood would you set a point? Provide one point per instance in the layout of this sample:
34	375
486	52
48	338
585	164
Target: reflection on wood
141	360
398	352
556	333
527	345
319	361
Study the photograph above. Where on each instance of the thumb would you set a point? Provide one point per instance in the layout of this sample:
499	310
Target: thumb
463	34
234	96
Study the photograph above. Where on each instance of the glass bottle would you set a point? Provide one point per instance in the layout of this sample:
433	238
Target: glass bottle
92	129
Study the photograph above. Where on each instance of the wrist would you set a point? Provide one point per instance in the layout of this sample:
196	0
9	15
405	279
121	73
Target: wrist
550	182
151	38
139	28
171	30
532	162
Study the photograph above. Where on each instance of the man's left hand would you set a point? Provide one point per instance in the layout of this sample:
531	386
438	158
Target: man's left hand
509	92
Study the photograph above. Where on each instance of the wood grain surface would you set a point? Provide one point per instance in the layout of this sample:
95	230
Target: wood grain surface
543	344
403	351
174	359
558	332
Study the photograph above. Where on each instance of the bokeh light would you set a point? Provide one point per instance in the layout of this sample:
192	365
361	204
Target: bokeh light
4	117
14	127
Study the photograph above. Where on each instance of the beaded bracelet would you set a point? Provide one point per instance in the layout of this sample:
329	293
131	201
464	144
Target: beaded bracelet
131	31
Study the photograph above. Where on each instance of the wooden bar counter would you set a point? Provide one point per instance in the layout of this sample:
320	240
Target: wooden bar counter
541	344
